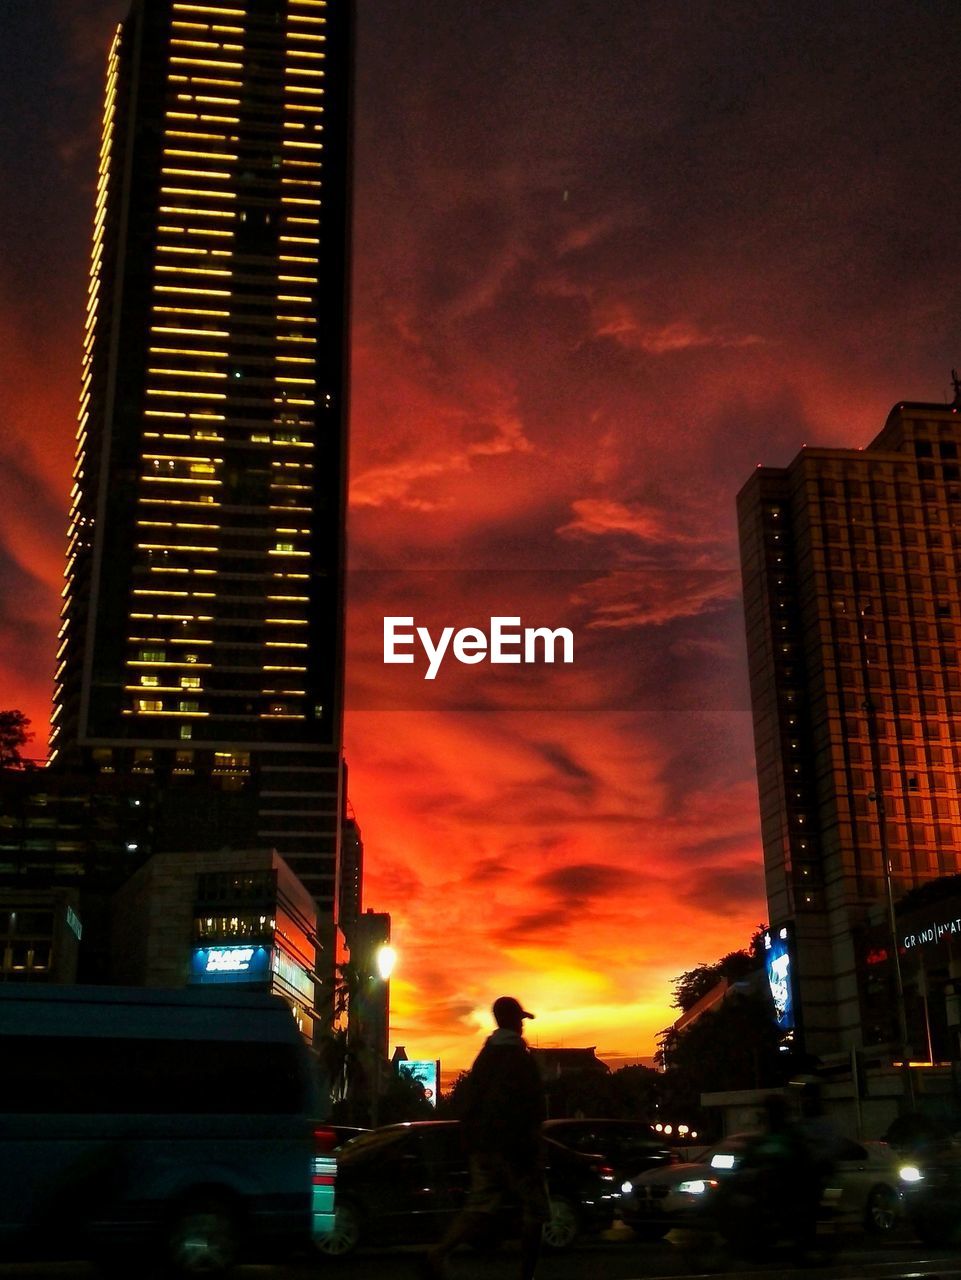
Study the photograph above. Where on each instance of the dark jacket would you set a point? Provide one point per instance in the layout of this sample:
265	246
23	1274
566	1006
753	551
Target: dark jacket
502	1103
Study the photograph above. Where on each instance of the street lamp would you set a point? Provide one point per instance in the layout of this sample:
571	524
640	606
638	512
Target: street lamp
385	959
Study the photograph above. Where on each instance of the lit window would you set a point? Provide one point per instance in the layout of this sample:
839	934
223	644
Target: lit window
186	731
188	704
150	681
153	655
190	682
149	704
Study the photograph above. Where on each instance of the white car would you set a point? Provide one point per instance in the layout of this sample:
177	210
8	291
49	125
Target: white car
863	1189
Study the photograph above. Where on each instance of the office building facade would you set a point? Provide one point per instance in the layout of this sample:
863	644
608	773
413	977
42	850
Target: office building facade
852	595
202	637
234	917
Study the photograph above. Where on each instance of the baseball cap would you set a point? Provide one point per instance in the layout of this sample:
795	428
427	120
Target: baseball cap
507	1009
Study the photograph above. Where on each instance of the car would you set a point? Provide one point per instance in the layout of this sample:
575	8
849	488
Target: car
863	1189
931	1185
629	1146
331	1137
404	1183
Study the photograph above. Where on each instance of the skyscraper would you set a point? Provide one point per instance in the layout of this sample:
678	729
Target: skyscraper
202	638
851	563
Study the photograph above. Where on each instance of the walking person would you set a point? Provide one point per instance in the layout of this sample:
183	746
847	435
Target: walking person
501	1113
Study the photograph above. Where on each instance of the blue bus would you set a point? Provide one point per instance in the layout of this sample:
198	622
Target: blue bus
138	1123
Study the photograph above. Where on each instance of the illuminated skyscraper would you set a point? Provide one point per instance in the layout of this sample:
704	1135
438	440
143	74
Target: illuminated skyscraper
202	629
851	561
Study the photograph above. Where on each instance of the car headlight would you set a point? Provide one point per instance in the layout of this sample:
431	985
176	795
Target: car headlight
910	1173
723	1160
697	1186
627	1188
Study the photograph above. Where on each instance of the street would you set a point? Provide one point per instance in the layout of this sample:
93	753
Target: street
614	1257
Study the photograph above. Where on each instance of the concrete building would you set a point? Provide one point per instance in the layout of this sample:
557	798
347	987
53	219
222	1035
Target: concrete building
40	932
237	917
851	564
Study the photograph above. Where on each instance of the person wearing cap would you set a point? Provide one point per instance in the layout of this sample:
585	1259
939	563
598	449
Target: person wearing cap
502	1106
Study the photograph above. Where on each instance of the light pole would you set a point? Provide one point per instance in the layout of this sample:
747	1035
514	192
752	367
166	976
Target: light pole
385	959
877	796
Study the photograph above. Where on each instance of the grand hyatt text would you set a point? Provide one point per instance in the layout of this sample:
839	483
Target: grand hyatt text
505	644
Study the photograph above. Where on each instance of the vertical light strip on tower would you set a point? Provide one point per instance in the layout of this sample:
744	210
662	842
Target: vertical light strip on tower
78	531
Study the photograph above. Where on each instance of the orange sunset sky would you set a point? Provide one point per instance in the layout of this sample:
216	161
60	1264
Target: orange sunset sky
608	256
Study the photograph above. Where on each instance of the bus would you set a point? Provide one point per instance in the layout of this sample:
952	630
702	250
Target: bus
177	1127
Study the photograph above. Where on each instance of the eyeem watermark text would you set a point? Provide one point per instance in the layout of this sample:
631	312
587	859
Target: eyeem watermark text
507	643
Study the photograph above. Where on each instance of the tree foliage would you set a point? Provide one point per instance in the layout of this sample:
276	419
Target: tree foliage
691	986
15	733
735	1045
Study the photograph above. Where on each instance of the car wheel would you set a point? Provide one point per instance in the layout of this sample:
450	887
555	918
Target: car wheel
881	1210
345	1236
563	1226
202	1237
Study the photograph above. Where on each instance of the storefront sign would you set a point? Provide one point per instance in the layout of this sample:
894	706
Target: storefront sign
932	933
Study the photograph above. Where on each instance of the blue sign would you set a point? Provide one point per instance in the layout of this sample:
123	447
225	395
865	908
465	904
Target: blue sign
235	963
778	962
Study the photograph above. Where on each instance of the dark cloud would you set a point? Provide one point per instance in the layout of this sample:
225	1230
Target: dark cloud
584	881
569	769
718	888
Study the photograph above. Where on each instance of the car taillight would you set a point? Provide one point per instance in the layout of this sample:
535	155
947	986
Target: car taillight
604	1171
324	1141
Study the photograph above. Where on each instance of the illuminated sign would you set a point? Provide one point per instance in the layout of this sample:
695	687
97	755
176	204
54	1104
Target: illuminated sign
294	976
230	964
229	959
427	1074
932	933
73	920
777	966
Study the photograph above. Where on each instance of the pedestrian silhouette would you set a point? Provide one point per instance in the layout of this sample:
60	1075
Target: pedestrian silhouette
502	1107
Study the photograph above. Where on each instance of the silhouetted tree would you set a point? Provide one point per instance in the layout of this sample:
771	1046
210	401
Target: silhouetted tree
734	1045
691	986
403	1098
636	1093
14	734
448	1104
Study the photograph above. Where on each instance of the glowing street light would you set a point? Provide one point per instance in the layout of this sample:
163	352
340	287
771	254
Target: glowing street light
385	958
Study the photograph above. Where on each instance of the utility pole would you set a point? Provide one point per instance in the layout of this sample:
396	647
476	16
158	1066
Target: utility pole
877	796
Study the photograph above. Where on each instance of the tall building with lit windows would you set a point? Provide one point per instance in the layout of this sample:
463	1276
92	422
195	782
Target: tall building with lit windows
851	562
202	638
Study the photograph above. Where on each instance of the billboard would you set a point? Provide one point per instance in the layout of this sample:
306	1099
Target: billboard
779	967
226	964
426	1072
